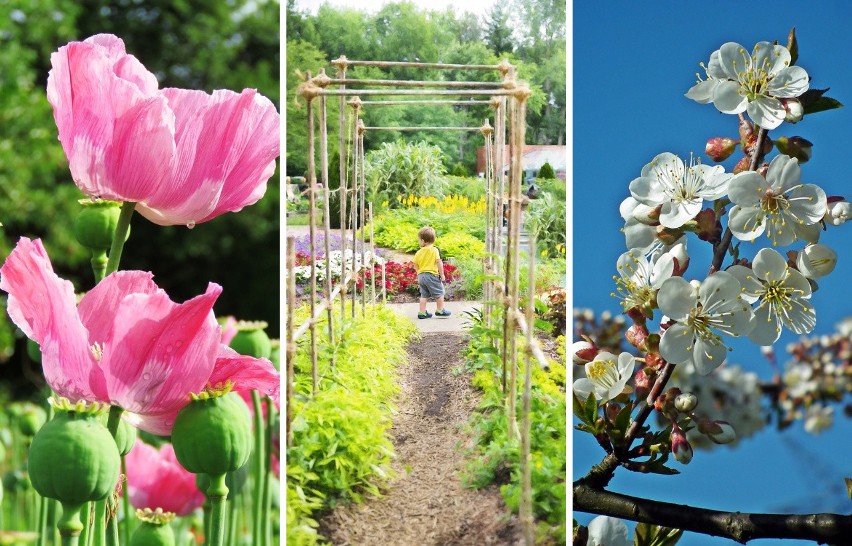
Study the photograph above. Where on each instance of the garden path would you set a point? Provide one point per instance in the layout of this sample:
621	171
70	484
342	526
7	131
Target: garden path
425	504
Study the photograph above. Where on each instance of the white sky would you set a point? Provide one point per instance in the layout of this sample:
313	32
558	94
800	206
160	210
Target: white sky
478	7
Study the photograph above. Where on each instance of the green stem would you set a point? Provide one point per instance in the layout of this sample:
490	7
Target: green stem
126	529
267	476
257	481
121	230
233	511
110	534
99	529
86	536
99	263
69	525
217	493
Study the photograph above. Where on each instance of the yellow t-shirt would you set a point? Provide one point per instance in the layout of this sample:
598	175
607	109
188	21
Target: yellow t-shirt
426	260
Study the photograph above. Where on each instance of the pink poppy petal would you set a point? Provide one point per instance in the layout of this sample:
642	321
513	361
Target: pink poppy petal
160	424
156	480
247	373
227	145
161	351
44	307
100	305
111	121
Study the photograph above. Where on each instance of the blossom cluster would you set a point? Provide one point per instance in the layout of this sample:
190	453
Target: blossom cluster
337	259
448	205
682	324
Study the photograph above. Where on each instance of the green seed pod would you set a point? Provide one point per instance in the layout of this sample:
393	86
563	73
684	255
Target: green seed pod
154	529
275	353
31	420
125	436
33	350
251	340
94	227
212	434
73	458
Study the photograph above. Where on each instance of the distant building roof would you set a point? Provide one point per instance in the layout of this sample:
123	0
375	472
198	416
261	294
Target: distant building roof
534	157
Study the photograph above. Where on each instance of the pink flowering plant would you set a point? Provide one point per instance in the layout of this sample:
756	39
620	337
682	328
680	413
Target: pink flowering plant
125	348
680	322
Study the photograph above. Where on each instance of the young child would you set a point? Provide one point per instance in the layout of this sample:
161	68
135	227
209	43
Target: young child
430	273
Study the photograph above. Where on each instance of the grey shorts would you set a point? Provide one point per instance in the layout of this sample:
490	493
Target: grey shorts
430	285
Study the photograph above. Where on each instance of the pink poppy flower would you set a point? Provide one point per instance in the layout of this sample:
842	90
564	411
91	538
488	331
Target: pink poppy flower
184	156
155	479
126	343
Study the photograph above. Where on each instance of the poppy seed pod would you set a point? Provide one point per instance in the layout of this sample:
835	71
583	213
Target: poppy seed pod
74	459
251	339
212	434
154	529
95	225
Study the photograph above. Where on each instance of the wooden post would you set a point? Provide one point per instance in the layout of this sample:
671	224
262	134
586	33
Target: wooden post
526	511
290	349
363	217
312	221
340	64
372	257
326	218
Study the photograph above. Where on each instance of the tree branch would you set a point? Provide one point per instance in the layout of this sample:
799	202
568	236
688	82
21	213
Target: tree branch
738	526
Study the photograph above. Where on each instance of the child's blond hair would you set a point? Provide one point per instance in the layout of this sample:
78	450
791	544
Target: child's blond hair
426	234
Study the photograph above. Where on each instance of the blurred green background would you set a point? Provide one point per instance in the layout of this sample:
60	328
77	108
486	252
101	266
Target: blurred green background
196	44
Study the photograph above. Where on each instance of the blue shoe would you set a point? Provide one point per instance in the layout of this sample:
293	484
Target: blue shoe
442	313
425	314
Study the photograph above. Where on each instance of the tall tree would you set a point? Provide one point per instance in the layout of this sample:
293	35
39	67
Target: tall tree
498	35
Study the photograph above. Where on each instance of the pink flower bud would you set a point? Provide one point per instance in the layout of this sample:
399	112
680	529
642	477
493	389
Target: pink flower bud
636	335
794	110
642	381
583	351
708	227
668	236
681	259
742	165
720	432
720	148
795	146
685	402
650	216
681	449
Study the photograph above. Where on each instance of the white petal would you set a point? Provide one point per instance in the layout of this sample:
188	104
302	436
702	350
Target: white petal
767	327
608	531
676	298
719	290
733	59
751	287
784	173
766	112
727	98
626	363
801	319
708	356
769	265
625	209
663	269
745	223
638	235
702	92
677	343
715	184
673	215
747	188
714	67
797	281
789	82
647	190
583	387
808	203
771	58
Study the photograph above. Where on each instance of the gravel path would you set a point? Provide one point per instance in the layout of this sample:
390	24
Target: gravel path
426	504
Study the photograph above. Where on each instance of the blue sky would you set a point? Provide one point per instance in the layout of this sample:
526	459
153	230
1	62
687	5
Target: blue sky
632	64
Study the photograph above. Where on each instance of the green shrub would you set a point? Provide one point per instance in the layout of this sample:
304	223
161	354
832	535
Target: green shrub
553	186
460	244
341	447
495	458
545	219
403	168
459	169
546	171
471	187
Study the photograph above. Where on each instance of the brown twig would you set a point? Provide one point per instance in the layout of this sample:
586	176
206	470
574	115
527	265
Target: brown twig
738	526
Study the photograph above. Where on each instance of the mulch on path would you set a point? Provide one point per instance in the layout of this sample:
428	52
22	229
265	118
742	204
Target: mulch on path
426	504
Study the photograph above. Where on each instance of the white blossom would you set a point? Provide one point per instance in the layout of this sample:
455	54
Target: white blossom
818	418
679	189
781	294
816	260
703	311
740	82
778	205
608	531
606	376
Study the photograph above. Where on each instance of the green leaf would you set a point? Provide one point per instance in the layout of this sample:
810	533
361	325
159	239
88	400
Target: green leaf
793	46
848	487
822	104
653	535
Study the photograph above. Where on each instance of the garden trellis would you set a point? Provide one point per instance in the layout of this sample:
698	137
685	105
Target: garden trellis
507	99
